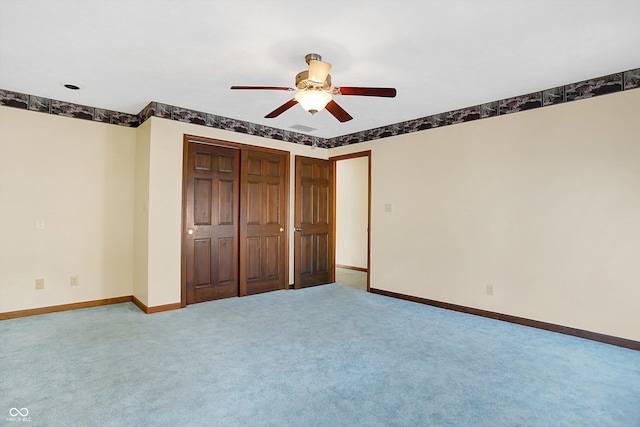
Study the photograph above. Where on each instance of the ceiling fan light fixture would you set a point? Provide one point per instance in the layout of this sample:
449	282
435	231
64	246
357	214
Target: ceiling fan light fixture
312	100
318	71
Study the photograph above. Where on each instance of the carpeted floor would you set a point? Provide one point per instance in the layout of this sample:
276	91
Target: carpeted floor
351	278
325	356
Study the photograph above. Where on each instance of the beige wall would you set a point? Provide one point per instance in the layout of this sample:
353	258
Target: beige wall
542	205
141	214
352	203
111	200
78	177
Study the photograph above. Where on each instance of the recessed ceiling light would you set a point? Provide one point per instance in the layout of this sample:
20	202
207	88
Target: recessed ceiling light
72	87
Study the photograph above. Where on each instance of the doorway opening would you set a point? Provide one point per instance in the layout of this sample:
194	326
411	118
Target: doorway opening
352	180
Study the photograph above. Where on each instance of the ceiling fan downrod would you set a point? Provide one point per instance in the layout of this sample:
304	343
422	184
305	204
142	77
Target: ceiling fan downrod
312	56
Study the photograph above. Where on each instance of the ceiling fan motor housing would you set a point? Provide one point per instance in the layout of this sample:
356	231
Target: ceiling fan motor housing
303	82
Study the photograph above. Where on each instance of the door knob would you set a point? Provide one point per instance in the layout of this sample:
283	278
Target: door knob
298	229
190	231
281	229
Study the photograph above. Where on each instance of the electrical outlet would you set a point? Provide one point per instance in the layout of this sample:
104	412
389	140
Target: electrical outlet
490	290
74	280
39	284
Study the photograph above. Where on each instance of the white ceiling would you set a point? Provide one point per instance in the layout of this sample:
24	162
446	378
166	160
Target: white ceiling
440	55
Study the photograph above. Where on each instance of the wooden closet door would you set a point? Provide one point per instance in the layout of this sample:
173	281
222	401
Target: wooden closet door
263	221
314	236
211	206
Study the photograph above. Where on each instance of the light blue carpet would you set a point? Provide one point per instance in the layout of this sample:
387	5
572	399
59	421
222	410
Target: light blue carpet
325	356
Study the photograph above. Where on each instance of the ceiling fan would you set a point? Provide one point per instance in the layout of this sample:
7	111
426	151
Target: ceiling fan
314	91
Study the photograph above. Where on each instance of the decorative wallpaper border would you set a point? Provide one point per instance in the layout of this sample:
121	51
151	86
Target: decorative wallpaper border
171	112
67	109
612	83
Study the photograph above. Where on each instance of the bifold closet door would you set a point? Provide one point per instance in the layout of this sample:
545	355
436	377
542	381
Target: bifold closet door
212	201
263	205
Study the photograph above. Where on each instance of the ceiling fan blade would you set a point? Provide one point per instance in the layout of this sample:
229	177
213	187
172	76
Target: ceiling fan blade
387	92
281	109
262	87
338	112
